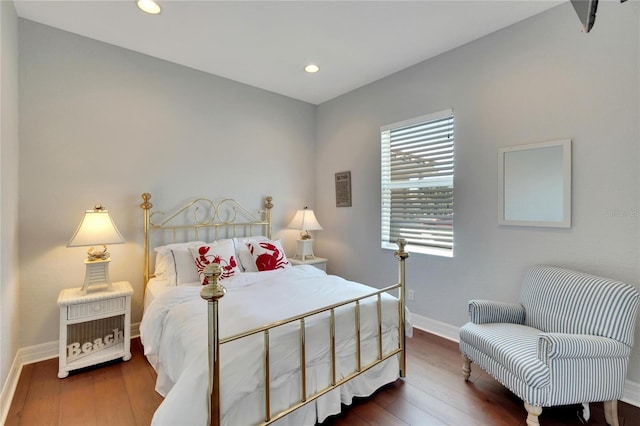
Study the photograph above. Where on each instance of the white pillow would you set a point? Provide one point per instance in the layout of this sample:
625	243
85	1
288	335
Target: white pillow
174	263
221	252
163	263
268	255
242	252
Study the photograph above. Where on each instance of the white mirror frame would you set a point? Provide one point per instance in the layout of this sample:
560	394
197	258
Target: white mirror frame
535	184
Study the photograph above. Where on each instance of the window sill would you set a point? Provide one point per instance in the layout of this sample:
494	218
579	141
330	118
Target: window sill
419	249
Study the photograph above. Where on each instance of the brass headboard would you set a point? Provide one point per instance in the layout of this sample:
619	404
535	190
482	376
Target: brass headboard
226	218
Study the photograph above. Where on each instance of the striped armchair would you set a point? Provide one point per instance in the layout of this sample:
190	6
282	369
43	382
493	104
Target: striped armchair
567	342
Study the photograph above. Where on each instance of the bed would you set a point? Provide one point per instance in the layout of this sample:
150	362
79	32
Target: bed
265	330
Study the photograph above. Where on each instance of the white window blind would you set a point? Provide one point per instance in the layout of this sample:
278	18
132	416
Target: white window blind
417	183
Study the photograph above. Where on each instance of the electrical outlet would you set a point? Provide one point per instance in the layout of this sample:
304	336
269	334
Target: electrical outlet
411	295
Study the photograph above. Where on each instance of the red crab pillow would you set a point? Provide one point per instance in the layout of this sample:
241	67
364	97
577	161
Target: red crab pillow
221	252
268	255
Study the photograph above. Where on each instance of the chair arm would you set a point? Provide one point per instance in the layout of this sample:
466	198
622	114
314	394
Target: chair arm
486	311
564	346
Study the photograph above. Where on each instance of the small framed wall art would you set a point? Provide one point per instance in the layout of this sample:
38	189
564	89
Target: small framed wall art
343	189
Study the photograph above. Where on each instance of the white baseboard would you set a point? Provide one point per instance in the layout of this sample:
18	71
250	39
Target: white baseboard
432	326
631	393
24	356
29	355
631	389
9	389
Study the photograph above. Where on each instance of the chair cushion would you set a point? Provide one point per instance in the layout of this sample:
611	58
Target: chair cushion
512	346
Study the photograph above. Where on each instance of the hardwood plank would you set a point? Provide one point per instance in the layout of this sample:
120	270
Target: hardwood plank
20	396
629	415
77	400
42	405
139	381
375	415
110	389
445	410
439	375
410	413
345	418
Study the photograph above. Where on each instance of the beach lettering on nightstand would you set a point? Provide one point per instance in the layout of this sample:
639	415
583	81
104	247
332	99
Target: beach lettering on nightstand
77	350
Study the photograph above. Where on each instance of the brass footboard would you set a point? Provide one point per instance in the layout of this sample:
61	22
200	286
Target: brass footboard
213	292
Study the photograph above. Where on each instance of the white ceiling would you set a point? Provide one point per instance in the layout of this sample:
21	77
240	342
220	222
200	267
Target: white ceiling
267	43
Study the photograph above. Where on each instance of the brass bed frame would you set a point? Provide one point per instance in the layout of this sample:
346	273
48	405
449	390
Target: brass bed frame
228	217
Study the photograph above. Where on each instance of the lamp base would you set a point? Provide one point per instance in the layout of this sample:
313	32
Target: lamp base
97	273
304	249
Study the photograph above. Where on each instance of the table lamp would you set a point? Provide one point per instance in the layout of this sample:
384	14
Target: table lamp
96	229
305	220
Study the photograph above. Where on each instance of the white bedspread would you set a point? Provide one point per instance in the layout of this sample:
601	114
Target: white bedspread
174	334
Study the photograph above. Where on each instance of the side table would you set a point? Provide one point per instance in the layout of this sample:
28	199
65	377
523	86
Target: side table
318	262
94	328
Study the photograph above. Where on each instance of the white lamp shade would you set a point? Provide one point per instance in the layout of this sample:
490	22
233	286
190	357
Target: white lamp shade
96	228
305	220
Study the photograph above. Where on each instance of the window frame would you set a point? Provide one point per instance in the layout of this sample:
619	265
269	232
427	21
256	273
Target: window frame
445	180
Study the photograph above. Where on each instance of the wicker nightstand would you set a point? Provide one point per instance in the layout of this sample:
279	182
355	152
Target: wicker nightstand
94	328
318	262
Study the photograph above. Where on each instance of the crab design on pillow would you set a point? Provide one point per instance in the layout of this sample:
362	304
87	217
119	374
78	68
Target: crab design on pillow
204	258
268	255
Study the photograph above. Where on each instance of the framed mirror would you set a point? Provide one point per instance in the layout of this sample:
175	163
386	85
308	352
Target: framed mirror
535	184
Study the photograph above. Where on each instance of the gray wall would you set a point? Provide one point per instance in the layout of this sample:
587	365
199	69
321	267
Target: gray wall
538	80
103	124
9	289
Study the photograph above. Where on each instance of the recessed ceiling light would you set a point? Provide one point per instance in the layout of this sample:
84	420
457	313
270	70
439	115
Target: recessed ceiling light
311	68
149	6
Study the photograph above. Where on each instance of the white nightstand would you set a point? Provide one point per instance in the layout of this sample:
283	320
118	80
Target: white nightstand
318	262
94	328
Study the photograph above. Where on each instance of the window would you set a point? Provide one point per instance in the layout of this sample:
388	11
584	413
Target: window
417	184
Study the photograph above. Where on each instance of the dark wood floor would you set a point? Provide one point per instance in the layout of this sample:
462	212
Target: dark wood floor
433	393
114	394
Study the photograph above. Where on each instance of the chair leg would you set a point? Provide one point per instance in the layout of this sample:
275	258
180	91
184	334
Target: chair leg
585	413
611	412
466	367
533	413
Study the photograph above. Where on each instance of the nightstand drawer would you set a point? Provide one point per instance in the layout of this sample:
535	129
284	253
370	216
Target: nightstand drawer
85	310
